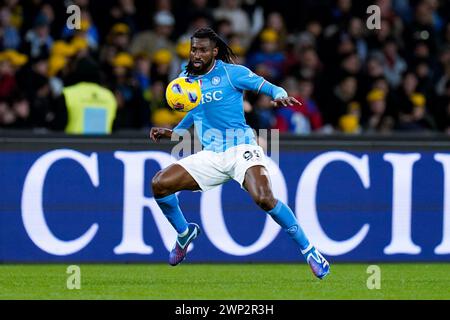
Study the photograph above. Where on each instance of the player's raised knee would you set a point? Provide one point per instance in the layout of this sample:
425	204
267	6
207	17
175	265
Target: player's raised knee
160	186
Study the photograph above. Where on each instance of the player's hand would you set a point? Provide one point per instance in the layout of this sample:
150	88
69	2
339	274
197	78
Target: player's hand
158	133
286	101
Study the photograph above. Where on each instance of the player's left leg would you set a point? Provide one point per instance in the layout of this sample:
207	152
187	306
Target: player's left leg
257	183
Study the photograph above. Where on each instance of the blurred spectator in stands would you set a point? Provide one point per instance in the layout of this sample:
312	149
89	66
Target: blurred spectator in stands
251	117
403	9
48	11
56	71
351	64
420	51
377	37
275	21
324	48
151	41
132	110
81	47
83	4
411	107
124	11
141	72
308	38
422	27
299	44
342	101
389	94
335	17
224	28
373	71
17	13
255	12
163	67
335	47
38	40
14	107
375	116
185	15
269	57
120	36
60	59
446	34
163	5
231	10
341	13
356	30
235	43
424	75
183	50
86	107
443	71
309	66
118	40
8	81
349	124
199	20
157	98
62	48
87	30
38	90
9	35
265	112
394	65
306	91
389	14
22	112
441	110
299	119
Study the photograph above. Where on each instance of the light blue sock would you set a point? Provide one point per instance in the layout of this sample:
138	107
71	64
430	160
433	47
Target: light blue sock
171	209
284	216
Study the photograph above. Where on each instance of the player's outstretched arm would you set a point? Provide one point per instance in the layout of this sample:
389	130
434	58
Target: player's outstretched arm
158	133
244	79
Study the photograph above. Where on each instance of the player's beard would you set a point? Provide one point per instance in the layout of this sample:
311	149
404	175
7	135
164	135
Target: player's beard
202	69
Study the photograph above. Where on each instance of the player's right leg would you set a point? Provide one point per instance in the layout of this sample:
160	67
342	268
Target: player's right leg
164	185
257	183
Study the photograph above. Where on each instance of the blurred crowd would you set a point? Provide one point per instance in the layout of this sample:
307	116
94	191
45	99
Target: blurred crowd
348	77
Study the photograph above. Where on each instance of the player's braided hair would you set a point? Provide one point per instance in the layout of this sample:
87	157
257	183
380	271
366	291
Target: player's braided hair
224	51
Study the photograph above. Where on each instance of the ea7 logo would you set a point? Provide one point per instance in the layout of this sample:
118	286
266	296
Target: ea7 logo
374	21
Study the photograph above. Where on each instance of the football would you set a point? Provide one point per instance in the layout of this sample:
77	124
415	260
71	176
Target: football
183	94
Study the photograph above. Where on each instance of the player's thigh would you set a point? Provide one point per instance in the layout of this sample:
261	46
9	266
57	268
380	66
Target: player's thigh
206	168
249	166
257	181
174	178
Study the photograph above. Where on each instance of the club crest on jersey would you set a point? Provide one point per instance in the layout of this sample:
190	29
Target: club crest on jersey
215	80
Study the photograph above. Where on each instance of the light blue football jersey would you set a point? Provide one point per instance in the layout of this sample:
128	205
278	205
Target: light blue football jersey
219	118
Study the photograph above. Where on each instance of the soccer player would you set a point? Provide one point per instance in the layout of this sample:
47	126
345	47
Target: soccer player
227	152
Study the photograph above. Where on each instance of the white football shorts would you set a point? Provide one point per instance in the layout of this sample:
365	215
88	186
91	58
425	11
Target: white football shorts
210	169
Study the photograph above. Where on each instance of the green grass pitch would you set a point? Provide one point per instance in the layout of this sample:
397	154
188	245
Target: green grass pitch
224	281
